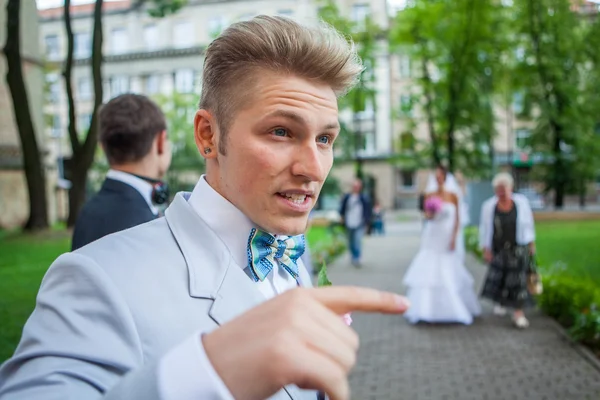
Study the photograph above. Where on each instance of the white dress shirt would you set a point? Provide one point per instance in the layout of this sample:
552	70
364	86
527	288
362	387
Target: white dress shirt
185	373
143	187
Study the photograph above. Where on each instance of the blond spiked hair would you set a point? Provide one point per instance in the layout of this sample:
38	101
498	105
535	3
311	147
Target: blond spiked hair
276	44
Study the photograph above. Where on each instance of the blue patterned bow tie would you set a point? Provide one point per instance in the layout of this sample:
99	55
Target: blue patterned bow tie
264	249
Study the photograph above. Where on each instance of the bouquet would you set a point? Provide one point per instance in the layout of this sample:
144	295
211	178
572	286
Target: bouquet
433	204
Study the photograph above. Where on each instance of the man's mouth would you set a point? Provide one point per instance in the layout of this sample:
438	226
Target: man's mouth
295	198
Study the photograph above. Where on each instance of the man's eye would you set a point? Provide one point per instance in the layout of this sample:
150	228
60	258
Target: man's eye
280	132
324	139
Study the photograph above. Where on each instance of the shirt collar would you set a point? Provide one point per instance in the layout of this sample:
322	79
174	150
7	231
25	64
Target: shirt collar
226	220
143	187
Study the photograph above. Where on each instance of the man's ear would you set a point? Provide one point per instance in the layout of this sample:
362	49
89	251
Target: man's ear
205	133
161	142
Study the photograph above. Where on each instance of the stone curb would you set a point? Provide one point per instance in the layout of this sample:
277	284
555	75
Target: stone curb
583	351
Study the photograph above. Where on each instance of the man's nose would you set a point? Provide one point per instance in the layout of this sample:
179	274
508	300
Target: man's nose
308	162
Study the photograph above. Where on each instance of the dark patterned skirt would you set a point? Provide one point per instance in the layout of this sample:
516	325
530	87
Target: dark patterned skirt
506	280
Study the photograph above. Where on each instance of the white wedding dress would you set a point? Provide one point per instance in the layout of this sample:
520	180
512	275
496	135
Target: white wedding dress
440	288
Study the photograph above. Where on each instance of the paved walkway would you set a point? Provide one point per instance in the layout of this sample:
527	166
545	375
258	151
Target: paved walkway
487	360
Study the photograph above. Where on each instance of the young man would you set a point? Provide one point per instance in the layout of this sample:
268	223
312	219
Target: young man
356	212
134	138
179	308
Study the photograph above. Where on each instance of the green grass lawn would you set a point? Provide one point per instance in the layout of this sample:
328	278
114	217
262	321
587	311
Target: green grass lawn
23	263
318	235
576	243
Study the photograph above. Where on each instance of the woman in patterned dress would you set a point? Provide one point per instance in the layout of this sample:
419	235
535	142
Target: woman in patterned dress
507	237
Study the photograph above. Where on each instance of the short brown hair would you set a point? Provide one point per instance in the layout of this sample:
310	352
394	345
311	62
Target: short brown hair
128	125
277	44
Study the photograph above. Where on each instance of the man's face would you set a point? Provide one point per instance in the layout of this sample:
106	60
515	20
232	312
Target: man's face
440	177
356	186
279	152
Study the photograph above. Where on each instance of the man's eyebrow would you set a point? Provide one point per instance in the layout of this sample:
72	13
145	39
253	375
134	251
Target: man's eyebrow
299	118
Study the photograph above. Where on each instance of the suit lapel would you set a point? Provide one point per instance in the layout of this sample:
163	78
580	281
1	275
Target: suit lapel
214	275
236	294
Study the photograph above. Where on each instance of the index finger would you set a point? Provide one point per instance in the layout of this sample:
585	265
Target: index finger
345	299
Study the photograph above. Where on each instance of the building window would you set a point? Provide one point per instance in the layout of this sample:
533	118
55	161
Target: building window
82	45
83	122
151	37
360	12
152	84
406	105
56	130
183	34
119	41
53	84
408	179
216	25
407	141
52	47
119	85
184	80
84	88
368	112
518	102
404	67
522	139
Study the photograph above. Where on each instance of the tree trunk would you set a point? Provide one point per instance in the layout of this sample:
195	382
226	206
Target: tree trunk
84	156
67	74
582	193
429	111
559	168
32	159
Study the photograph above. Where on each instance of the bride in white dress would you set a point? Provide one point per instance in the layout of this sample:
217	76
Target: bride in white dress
440	288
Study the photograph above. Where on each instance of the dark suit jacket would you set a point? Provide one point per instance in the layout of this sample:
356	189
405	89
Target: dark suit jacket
116	207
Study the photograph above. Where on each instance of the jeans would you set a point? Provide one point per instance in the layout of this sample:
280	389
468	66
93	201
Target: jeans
355	236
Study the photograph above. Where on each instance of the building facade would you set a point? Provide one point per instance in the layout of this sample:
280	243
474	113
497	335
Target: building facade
14	200
160	56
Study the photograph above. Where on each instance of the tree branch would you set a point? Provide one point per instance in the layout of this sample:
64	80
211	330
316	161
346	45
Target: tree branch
67	74
92	137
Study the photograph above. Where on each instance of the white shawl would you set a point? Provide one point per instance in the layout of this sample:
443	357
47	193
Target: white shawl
525	223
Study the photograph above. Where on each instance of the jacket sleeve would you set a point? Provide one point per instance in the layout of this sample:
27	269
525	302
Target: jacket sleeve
525	220
80	342
343	206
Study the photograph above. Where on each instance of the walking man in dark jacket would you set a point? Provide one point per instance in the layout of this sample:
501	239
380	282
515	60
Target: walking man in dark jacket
355	211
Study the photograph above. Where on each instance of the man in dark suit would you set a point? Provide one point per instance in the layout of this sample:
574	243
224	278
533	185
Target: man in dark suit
134	138
355	211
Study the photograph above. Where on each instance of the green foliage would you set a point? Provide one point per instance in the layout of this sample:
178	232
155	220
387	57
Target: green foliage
323	279
557	70
180	109
365	35
326	244
331	186
456	47
162	8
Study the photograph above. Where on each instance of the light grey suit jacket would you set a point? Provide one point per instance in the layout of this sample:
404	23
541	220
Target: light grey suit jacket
108	312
